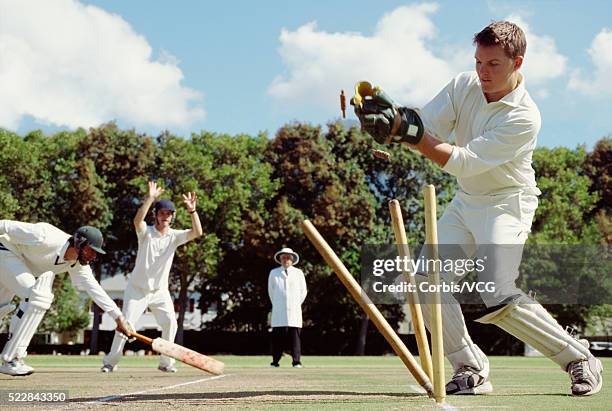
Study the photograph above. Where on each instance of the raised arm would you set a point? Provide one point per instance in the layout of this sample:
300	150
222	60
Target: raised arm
139	219
196	227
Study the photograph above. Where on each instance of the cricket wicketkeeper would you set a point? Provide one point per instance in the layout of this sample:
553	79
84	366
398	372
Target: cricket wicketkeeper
30	256
495	123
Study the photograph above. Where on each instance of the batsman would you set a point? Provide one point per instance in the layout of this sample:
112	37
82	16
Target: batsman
495	124
30	256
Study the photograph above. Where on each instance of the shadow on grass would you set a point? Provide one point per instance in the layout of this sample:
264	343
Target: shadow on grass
536	394
244	395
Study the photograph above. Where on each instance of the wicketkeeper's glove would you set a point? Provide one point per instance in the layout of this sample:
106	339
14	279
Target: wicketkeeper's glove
383	119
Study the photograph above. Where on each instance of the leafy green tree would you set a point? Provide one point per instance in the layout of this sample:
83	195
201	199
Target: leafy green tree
598	167
113	167
402	178
311	184
231	181
562	217
25	187
123	161
566	201
86	167
332	179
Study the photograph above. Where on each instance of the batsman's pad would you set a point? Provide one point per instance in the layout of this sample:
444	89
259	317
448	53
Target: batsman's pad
187	356
458	345
531	323
39	301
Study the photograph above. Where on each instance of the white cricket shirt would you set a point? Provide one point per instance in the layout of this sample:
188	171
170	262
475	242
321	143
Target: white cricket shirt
154	257
494	141
41	247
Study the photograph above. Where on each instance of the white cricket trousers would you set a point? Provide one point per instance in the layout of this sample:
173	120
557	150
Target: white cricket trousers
135	301
468	223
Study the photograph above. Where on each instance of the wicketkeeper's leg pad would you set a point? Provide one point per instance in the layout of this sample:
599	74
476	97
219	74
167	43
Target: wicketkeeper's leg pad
29	318
528	321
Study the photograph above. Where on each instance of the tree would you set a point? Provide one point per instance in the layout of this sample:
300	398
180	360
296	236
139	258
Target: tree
562	219
230	180
598	167
402	178
566	201
90	177
25	186
312	184
124	161
332	179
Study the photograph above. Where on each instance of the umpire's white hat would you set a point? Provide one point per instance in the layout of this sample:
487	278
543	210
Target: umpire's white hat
289	251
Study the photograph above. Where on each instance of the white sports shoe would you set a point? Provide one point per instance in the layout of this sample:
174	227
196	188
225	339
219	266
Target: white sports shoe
586	376
169	368
468	381
108	368
16	368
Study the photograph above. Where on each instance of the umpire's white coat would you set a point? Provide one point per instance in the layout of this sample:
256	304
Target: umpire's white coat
287	291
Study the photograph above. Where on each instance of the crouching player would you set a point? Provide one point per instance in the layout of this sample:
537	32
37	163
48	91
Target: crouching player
30	256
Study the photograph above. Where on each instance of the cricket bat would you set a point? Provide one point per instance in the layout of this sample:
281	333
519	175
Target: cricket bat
184	355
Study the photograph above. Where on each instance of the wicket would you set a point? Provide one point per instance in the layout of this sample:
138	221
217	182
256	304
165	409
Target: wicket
366	304
437	347
432	370
413	298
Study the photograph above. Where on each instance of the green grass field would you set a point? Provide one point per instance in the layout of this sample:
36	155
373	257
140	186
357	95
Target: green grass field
325	383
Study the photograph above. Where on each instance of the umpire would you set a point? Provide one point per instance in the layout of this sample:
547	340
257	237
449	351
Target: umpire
287	291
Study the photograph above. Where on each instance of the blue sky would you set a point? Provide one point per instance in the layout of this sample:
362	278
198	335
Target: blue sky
247	66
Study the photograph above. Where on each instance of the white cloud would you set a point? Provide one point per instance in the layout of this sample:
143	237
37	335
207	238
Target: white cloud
599	82
397	56
67	64
401	55
542	61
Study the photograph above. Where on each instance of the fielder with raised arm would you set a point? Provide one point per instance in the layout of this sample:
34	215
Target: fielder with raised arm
148	283
30	256
495	123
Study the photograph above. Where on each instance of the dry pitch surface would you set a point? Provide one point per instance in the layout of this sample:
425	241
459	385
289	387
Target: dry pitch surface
330	383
